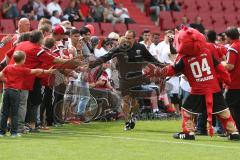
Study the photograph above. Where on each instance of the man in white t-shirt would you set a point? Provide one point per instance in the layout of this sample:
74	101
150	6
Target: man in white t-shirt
106	46
122	12
148	43
54	6
163	48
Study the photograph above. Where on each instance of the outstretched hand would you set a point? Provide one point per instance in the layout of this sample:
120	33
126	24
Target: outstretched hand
149	71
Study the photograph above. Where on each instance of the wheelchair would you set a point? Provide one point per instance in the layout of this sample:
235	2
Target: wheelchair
104	113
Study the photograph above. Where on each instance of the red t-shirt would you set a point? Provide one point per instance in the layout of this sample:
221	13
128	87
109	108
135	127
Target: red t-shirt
45	78
233	57
35	56
84	9
103	77
15	76
216	53
200	72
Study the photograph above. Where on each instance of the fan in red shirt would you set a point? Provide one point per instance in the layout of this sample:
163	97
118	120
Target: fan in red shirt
218	50
85	11
199	66
233	66
35	56
14	80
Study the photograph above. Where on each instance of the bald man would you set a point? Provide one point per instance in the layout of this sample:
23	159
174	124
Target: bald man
23	26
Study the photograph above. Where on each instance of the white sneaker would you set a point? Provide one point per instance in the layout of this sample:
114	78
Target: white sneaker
16	135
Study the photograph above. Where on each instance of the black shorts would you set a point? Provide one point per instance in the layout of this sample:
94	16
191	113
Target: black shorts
233	98
196	103
174	99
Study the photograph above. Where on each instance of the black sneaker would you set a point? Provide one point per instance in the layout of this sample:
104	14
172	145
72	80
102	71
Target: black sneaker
132	124
127	126
234	137
185	136
201	133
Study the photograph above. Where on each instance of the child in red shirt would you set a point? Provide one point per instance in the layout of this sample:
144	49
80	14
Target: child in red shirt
13	77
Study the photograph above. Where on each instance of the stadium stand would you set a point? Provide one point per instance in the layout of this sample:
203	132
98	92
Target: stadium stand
216	14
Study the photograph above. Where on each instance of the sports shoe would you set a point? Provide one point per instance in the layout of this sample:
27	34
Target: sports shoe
185	136
2	135
234	136
201	133
14	135
127	126
34	130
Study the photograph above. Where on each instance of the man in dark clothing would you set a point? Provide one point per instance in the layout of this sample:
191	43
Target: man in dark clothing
198	25
131	58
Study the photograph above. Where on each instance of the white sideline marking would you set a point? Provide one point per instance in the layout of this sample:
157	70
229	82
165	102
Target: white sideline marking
93	134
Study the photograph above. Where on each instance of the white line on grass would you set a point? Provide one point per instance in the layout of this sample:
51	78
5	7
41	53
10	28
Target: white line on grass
93	134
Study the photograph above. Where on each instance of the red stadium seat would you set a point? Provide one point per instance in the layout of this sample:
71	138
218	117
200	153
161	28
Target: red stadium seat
166	21
207	20
34	25
228	7
216	6
20	3
78	25
219	23
230	19
236	6
189	6
191	16
136	28
202	6
64	4
120	28
8	25
97	29
177	17
106	28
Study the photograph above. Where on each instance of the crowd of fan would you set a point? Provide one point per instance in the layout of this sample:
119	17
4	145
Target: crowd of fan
77	10
47	47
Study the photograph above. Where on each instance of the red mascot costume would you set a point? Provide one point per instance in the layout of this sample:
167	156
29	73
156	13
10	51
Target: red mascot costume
196	62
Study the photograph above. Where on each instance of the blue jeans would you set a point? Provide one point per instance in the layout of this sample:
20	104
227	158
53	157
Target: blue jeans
82	104
184	94
84	97
11	99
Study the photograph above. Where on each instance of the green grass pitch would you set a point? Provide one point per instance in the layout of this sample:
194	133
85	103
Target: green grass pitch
150	140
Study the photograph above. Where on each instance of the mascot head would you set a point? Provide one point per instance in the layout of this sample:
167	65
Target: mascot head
189	42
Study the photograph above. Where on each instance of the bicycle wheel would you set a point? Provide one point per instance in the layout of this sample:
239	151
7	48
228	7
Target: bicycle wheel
59	112
91	110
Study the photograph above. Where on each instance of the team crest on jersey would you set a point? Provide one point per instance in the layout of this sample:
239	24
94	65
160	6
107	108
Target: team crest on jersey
138	52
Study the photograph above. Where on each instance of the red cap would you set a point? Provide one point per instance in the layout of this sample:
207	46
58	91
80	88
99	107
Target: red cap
59	29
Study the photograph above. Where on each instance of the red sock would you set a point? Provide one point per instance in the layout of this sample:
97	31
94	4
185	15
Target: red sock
185	119
226	121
